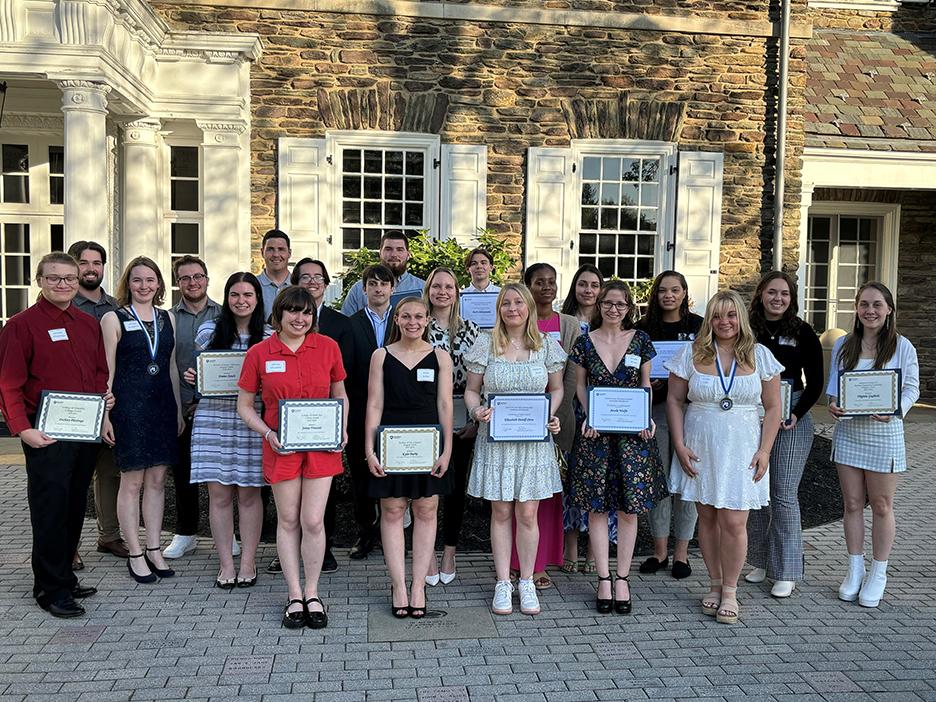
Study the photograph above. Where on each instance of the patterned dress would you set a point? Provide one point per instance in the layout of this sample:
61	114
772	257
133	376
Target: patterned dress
619	472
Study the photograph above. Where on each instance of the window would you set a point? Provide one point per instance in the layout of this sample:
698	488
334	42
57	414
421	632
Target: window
184	214
15	183
57	175
15	269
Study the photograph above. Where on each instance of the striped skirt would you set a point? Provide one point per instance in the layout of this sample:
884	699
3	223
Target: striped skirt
224	450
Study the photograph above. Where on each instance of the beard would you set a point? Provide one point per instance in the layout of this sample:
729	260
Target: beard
89	282
397	269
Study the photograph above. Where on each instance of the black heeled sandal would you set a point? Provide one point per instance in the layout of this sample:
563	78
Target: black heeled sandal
315	620
398	611
294	620
622	606
151	578
604	606
161	572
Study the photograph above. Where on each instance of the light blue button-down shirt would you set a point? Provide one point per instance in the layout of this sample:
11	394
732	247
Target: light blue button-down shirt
407	283
379	324
270	291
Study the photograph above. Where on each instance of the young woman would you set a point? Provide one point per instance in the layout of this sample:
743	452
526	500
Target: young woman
454	335
869	452
295	363
583	294
410	383
218	434
721	452
480	265
613	472
668	319
139	340
515	476
775	535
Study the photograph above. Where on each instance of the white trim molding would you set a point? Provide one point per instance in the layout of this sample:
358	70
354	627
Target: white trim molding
864	5
851	168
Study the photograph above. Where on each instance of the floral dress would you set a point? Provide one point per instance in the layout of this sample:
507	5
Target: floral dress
615	472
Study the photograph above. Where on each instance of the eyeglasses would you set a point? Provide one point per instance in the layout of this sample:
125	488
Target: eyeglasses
198	277
607	306
54	280
305	278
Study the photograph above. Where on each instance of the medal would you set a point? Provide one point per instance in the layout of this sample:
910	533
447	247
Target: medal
152	344
726	402
152	368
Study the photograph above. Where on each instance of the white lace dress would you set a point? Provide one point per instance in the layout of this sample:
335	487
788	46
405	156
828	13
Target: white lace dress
724	440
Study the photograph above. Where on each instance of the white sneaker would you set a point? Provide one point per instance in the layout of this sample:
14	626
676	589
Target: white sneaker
179	546
235	549
529	602
783	588
757	575
503	598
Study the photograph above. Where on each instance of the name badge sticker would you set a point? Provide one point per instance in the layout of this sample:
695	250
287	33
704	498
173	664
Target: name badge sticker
276	366
132	325
58	335
632	360
425	375
555	335
786	341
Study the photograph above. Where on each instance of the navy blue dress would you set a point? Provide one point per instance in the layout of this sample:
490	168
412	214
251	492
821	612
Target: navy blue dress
145	411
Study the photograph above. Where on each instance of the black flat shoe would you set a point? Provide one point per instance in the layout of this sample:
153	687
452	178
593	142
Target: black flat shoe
622	606
79	593
294	620
681	569
225	584
65	608
362	547
653	564
247	582
329	562
604	606
315	620
150	578
275	566
161	572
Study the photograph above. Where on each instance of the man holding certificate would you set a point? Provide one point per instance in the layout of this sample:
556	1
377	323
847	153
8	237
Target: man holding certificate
53	346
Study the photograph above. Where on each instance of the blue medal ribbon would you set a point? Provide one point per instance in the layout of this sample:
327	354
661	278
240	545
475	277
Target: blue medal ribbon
726	402
152	345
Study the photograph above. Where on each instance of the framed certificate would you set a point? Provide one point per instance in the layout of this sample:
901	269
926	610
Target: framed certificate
865	392
480	308
217	373
71	416
665	351
311	425
519	417
409	449
786	399
619	410
459	412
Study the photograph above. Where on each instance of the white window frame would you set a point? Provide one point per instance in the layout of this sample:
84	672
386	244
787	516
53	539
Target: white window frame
171	216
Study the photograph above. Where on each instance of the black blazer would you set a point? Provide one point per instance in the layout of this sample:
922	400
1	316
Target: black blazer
335	326
363	345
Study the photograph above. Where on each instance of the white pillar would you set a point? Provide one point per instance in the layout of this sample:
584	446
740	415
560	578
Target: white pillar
141	233
86	198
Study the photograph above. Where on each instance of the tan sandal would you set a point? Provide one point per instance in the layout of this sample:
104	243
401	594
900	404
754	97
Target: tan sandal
569	565
728	609
712	600
543	582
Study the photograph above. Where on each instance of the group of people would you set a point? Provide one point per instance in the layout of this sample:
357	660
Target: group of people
716	450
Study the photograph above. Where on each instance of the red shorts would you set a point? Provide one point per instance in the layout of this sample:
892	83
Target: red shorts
306	464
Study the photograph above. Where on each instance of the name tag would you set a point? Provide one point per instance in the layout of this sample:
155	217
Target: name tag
555	335
132	325
276	366
58	335
632	361
425	375
686	336
786	341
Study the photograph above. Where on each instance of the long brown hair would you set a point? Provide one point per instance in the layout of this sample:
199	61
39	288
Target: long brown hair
789	321
652	322
629	318
850	351
123	285
703	348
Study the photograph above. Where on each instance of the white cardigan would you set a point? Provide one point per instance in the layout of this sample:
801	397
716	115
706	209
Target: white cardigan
905	358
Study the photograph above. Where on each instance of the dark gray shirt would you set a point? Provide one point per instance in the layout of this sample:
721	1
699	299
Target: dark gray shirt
96	309
187	325
270	290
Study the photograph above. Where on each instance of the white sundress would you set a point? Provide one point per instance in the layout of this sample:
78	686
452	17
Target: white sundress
724	440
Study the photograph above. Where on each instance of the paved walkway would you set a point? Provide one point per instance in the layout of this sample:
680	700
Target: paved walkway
184	639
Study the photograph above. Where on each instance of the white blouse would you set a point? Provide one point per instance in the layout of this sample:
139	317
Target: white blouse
905	358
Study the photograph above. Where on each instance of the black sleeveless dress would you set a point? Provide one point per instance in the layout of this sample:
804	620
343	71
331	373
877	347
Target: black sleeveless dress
409	401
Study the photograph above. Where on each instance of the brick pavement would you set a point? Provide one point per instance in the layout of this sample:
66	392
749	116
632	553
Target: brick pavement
184	639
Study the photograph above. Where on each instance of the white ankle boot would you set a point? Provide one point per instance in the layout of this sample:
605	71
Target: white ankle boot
872	589
851	585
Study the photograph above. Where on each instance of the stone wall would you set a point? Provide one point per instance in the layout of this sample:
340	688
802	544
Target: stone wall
512	86
908	18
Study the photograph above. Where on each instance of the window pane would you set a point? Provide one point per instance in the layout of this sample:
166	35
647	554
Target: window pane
629	194
645	245
371	238
589	194
414	189
649	195
819	227
57	160
587	244
15	158
648	219
591	168
413	216
351	186
351	161
373	162
350	239
644	269
15	188
629	218
609	219
630	169
589	218
607	244
606	266
351	212
611	169
185	238
651	170
372	187
58	237
183	162
372	212
56	190
414	163
184	196
393	162
393	188
610	194
17	300
393	213
16	238
16	270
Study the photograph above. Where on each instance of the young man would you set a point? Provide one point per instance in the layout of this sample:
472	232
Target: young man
193	309
53	346
394	253
480	264
275	274
369	328
92	299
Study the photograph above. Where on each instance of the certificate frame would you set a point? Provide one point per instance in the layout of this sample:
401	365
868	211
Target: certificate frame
786	400
884	383
85	414
665	350
392	439
479	307
204	380
539	403
601	422
330	441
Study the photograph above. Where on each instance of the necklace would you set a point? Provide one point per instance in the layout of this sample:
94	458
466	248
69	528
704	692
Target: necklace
515	345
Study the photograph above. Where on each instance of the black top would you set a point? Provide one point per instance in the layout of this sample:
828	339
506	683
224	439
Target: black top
800	356
683	330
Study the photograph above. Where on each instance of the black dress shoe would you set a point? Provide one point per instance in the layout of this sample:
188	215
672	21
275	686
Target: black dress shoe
622	606
362	547
329	563
653	564
314	618
79	593
294	620
65	608
275	566
160	572
604	606
681	569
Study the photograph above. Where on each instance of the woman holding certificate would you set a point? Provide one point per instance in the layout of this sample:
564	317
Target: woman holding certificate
721	452
296	363
450	333
218	434
616	469
409	388
775	536
139	339
873	382
518	468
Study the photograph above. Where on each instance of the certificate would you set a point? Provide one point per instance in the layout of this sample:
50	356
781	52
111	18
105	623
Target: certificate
866	392
480	308
459	412
786	399
619	410
519	417
311	425
409	449
665	351
71	416
217	373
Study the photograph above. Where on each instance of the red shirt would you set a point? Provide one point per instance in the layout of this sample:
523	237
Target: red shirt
272	369
48	348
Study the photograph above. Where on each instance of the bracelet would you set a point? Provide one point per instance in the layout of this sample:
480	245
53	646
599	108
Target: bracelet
266	437
368	456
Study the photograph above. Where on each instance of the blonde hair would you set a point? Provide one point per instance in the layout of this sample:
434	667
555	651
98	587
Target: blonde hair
703	348
394	333
124	298
532	339
455	320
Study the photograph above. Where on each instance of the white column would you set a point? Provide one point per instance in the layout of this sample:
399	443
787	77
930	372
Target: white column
141	233
86	198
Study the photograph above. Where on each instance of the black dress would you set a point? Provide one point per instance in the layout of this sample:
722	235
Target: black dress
410	401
